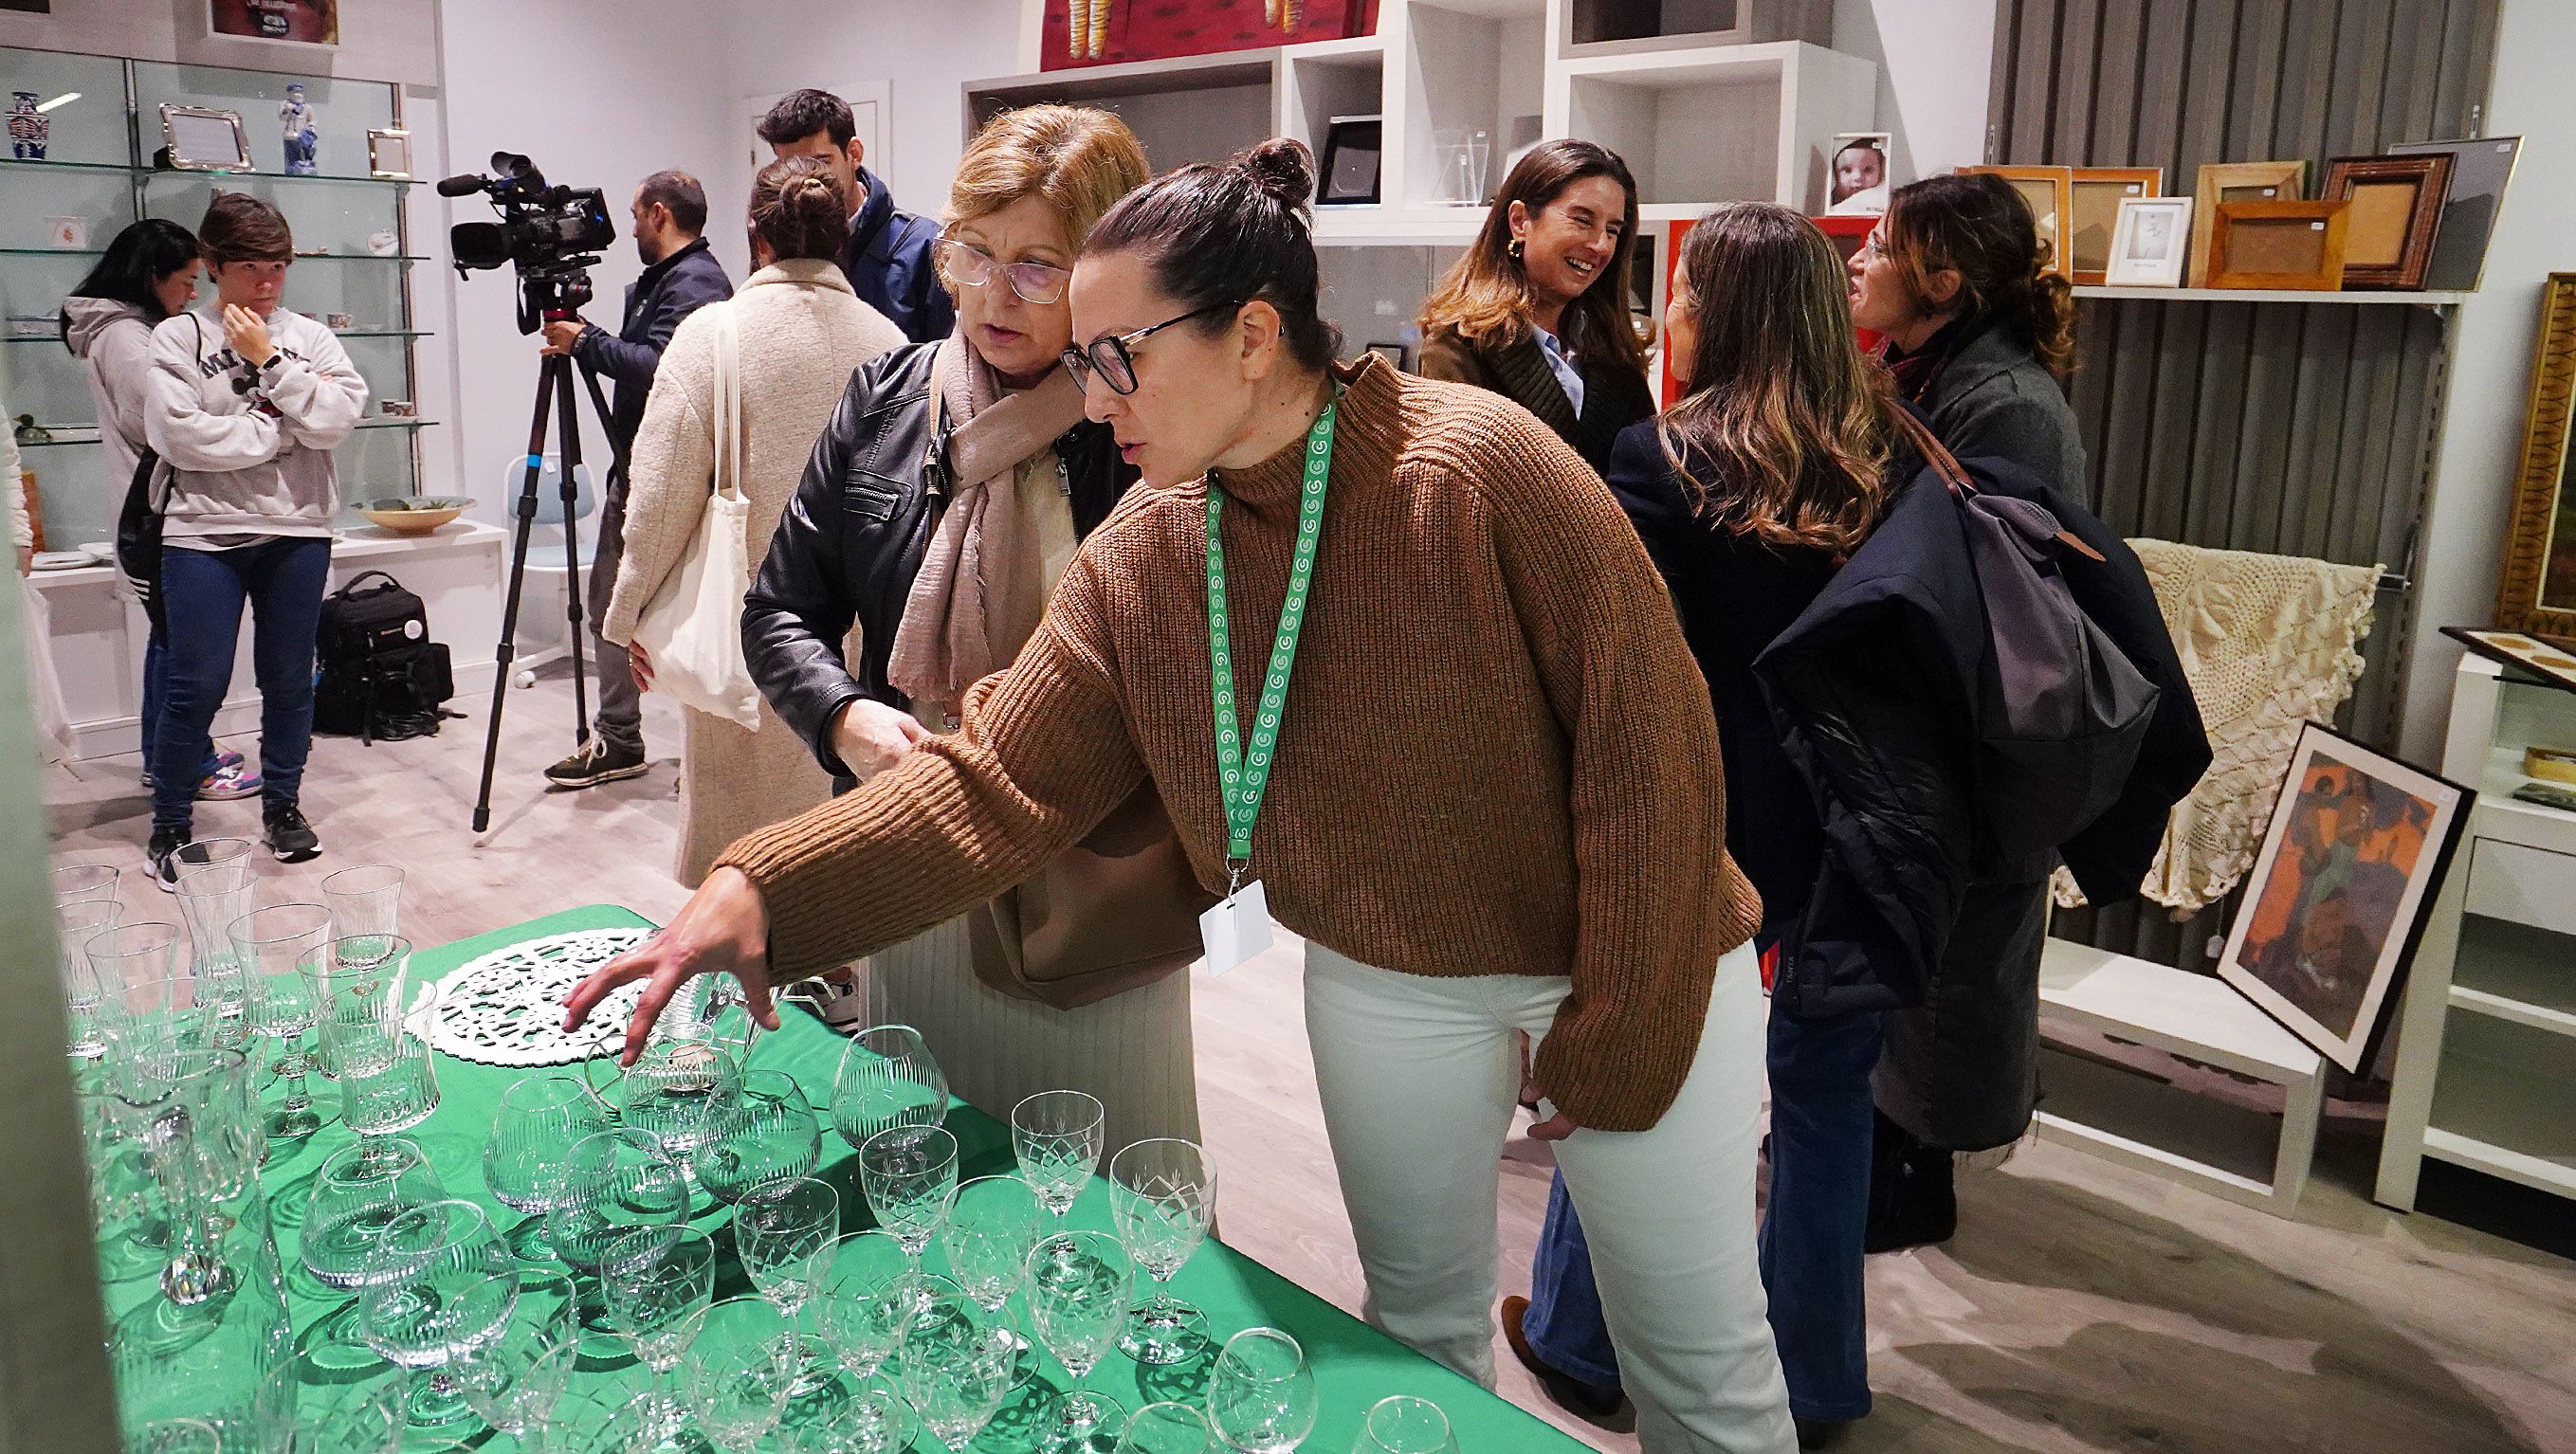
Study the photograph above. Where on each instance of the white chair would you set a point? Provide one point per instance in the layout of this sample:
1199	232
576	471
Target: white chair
542	595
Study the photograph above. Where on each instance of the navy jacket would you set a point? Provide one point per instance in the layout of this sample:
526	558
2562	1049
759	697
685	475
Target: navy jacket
656	301
887	260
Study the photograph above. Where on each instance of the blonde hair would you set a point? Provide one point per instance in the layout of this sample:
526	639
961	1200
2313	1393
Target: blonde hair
1080	160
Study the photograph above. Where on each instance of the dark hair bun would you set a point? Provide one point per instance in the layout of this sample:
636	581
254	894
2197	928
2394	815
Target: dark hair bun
1282	168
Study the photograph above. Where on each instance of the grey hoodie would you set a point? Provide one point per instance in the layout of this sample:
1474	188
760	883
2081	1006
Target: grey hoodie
114	339
249	443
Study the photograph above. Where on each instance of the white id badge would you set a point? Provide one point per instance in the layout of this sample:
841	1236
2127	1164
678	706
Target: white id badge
1236	929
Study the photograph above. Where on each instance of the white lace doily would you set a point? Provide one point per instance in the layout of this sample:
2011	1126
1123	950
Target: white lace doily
506	1007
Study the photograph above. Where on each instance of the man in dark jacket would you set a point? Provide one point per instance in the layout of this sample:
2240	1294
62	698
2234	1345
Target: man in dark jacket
680	276
887	258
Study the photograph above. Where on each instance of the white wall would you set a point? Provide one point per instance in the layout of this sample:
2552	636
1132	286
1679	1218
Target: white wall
2491	357
1934	59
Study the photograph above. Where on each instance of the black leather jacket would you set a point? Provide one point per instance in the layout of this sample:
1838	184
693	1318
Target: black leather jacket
851	542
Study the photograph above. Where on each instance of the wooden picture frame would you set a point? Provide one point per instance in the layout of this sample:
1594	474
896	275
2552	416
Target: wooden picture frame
2289	246
2537	593
2151	243
2057	186
2093	202
2396	211
2237	182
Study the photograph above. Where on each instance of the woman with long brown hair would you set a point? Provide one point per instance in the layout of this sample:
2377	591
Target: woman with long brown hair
1537	309
1749	493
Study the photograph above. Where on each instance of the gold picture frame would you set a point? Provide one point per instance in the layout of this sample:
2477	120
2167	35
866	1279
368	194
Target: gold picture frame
2537	595
2396	207
2285	246
2093	205
2237	182
2054	187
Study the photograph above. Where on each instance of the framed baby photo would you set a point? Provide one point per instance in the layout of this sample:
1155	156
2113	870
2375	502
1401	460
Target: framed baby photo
2150	243
2093	207
2357	845
1858	183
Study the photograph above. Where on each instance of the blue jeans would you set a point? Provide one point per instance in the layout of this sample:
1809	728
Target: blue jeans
282	582
1811	1236
155	684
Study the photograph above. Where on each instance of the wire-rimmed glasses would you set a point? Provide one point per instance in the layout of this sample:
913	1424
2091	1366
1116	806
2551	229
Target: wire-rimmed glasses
539	1118
909	1174
1261	1396
276	949
1078	1288
963	262
1112	357
887	1078
1056	1136
1163	1196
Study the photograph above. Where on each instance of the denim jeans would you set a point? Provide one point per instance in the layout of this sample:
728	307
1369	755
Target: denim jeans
1821	1140
281	580
155	674
1811	1236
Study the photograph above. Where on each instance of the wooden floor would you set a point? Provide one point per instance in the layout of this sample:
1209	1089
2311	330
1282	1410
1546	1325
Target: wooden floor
2083	1306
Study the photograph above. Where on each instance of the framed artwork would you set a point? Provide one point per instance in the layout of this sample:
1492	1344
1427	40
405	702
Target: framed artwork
2295	246
2537	595
1349	169
2093	207
1860	181
2479	171
1091	32
2357	843
2150	243
2237	182
388	152
2050	191
202	139
2552	663
305	22
2396	207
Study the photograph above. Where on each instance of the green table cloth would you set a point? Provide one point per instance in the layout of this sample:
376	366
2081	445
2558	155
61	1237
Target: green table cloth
1354	1364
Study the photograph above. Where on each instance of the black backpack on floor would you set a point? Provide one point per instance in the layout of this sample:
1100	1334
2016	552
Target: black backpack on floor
380	677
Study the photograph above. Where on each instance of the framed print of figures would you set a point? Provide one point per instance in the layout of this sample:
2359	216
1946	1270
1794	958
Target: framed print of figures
2050	191
1860	181
2148	245
2295	246
2479	171
2093	205
2358	841
2396	205
2538	592
2237	182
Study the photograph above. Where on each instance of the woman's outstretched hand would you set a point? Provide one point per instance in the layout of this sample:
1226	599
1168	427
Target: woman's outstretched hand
722	929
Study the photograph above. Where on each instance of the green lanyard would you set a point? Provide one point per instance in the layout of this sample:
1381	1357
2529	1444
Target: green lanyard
1246	778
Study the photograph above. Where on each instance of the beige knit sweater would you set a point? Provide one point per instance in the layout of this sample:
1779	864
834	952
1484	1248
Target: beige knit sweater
1497	755
803	331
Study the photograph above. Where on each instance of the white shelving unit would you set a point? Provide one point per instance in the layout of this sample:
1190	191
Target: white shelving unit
2423	299
2486	1053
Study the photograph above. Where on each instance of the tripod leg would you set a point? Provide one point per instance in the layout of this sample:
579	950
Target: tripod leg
503	654
576	600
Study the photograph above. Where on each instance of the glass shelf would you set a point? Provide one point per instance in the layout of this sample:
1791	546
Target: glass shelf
32	338
15	165
380	333
52	252
158	173
88	433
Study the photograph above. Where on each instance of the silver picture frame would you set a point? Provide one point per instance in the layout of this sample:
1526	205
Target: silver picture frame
389	153
203	139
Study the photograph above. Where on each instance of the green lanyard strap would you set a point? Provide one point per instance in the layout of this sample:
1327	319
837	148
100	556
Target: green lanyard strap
1245	778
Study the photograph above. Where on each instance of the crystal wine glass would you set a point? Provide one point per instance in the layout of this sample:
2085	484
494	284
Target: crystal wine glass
955	1367
659	1283
869	1288
784	1233
142	995
737	1382
201	1142
365	901
74	882
362	1002
1078	1288
680	1091
1167	1428
1262	1397
909	1173
311	1404
1056	1136
440	1286
992	1227
210	899
358	1192
515	1378
277	949
539	1117
616	1183
887	1078
175	1436
1163	1195
76	922
771	1133
1403	1424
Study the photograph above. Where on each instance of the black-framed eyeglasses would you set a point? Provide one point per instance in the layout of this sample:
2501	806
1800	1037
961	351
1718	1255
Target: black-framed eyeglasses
968	264
1110	357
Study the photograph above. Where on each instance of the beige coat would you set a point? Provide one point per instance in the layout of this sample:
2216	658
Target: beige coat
802	332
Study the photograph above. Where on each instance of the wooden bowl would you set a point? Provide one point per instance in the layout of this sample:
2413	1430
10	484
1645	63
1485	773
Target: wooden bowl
416	515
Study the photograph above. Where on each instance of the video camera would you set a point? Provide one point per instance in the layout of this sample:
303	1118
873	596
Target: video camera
552	235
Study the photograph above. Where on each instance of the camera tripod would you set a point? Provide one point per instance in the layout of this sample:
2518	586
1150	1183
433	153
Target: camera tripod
556	396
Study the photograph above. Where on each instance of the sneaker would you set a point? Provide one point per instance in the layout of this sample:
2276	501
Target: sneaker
837	1003
595	763
236	779
224	758
289	836
160	857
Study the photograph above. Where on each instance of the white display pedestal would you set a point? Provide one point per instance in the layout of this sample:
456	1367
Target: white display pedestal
98	637
2198	1017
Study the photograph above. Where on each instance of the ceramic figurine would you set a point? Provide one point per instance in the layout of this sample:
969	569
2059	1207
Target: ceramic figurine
296	119
29	128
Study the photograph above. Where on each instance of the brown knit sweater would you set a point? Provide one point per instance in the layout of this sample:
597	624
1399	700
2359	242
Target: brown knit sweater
1497	756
